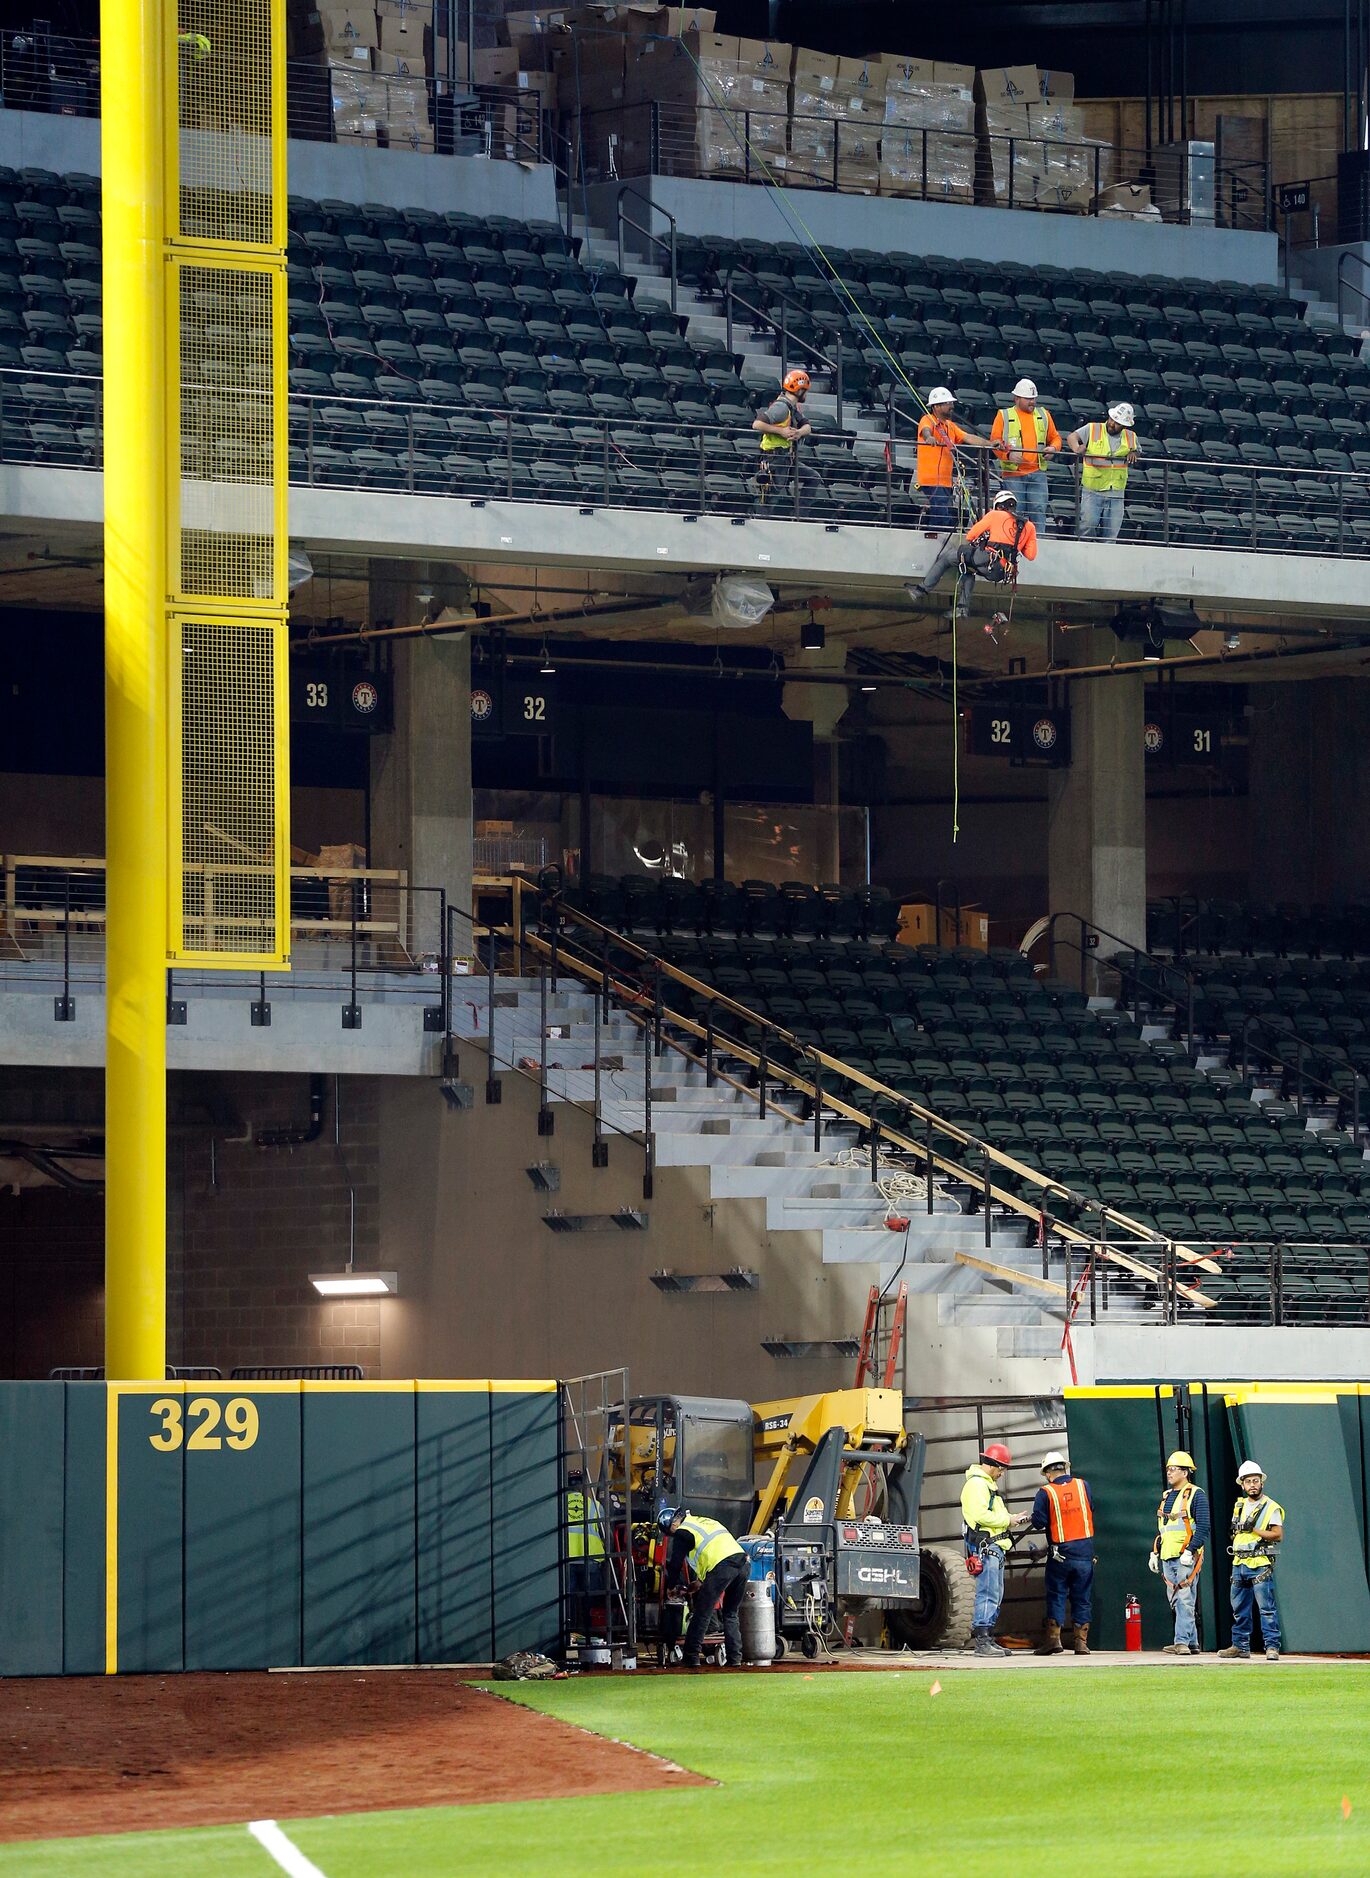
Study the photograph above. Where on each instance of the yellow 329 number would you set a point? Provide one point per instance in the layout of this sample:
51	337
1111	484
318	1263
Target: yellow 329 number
203	1415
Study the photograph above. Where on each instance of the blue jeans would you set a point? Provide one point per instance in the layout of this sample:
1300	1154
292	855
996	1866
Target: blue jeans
1031	492
989	1589
938	513
1071	1578
1250	1588
1101	514
1182	1599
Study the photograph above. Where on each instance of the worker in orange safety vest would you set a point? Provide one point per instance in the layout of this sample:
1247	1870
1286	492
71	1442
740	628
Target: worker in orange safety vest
1064	1511
992	548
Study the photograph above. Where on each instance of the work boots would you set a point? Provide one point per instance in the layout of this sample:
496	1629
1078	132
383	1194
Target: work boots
1051	1644
1236	1653
984	1644
1082	1640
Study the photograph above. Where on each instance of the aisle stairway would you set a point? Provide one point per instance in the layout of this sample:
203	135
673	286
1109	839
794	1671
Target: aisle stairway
770	1163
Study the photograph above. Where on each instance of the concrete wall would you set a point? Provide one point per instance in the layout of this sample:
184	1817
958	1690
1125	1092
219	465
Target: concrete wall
750	213
1179	1352
1317	268
403	178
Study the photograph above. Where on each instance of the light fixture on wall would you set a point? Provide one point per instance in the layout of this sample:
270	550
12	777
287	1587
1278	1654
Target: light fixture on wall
351	1284
546	667
812	637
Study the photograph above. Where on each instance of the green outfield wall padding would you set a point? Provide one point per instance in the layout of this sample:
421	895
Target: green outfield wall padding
359	1576
1115	1443
1320	1580
1354	1411
32	1435
1210	1440
84	1562
456	1615
526	1536
243	1528
151	1436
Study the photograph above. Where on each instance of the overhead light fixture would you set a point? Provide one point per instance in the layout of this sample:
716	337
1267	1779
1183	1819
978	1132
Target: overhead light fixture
868	687
1231	642
812	636
350	1284
546	667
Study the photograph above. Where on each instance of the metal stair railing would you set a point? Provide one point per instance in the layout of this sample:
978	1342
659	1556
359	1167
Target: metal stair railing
642	1000
623	220
781	329
1154	992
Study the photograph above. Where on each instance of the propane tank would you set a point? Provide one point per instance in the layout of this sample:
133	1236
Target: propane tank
757	1617
1132	1622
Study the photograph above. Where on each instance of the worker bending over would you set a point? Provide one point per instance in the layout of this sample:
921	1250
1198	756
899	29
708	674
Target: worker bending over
1257	1528
938	440
703	1552
986	1528
782	426
1108	450
992	548
1025	435
1064	1511
1177	1552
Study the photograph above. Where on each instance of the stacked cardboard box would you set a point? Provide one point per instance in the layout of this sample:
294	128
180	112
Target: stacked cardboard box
723	101
375	64
1034	152
837	108
928	147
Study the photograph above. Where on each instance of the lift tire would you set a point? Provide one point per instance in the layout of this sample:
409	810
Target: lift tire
779	1648
941	1619
810	1645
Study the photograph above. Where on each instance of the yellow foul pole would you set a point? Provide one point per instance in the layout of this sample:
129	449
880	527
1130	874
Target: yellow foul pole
133	49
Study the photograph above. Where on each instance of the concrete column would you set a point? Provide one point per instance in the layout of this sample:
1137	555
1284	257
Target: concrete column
1096	809
421	772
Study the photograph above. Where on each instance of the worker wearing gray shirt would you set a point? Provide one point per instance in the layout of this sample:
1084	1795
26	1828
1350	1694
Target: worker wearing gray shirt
783	427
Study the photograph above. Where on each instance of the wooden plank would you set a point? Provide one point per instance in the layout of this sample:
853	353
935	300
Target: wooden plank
1028	1280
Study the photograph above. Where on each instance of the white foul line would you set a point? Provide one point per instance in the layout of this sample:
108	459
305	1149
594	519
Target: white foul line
289	1857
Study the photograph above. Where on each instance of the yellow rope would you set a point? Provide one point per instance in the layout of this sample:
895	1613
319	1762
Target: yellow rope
955	726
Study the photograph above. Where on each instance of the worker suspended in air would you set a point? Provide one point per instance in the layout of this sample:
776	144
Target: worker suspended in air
992	548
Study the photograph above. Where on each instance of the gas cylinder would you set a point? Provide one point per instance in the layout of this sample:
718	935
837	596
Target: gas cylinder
1132	1623
757	1618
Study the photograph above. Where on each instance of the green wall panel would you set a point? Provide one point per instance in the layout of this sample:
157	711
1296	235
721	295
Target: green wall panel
242	1528
1320	1582
455	1562
359	1579
1116	1445
32	1438
150	1442
83	1587
524	1470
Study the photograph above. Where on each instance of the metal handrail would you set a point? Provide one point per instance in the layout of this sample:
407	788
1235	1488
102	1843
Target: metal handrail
622	219
1343	283
813	1092
1185	1009
781	328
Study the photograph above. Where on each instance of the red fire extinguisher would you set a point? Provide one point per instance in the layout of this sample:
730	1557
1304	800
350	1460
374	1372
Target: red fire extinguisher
1132	1623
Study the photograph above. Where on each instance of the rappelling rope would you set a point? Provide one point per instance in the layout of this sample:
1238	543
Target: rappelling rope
895	1185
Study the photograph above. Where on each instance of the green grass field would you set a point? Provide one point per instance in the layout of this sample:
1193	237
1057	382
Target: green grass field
1106	1771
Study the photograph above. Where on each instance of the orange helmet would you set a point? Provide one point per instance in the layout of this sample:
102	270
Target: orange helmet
796	382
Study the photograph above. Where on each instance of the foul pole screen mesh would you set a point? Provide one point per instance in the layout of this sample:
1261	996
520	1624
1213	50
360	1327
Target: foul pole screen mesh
226	542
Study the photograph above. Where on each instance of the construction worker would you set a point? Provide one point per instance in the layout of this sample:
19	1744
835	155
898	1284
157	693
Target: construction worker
1177	1553
986	1528
992	548
1257	1528
782	426
1109	450
1064	1511
585	1548
1024	435
703	1552
938	441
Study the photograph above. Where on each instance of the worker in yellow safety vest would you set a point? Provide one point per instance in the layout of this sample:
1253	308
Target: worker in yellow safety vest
1107	451
702	1552
1177	1552
1257	1531
1024	435
583	1518
783	427
986	1530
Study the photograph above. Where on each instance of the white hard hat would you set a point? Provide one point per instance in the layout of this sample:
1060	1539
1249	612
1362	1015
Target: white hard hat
1122	414
1250	1467
1025	389
1054	1459
940	395
1005	495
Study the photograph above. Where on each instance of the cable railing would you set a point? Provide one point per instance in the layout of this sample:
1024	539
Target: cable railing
363	932
920	163
779	1067
511	435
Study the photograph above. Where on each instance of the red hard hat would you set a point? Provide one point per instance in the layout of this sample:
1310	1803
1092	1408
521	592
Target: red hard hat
996	1451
